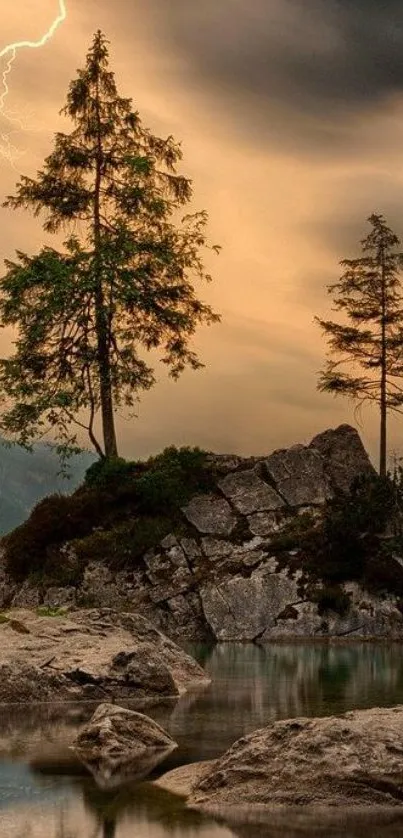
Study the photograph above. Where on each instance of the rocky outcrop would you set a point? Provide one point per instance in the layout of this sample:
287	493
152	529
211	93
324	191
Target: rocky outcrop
227	605
211	515
119	744
92	654
300	475
249	493
367	616
355	760
343	455
219	576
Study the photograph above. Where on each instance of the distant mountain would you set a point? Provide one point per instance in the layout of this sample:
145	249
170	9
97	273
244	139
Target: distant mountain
26	478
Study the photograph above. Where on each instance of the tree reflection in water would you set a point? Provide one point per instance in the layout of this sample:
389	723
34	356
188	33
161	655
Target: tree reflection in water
109	829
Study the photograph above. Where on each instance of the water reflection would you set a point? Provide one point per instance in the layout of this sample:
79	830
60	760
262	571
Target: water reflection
45	792
253	686
295	824
140	810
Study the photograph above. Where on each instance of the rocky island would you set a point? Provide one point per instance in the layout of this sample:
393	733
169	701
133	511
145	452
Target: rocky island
234	556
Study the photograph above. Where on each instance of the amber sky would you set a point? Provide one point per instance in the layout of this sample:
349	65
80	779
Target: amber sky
291	117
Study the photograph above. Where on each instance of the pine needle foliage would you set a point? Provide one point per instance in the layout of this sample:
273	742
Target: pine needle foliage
123	285
366	350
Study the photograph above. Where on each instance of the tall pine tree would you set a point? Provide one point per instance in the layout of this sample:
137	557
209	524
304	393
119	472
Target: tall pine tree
122	285
370	342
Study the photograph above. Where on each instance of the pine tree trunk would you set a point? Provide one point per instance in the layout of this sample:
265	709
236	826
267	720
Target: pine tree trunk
383	388
108	419
382	436
101	320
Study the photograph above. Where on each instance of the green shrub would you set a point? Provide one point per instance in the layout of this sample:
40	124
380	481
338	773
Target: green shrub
353	542
55	520
332	598
383	574
295	533
166	480
135	503
171	479
49	611
124	545
107	474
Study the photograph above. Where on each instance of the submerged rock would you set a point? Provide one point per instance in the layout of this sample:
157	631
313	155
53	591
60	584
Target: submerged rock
91	654
354	760
119	744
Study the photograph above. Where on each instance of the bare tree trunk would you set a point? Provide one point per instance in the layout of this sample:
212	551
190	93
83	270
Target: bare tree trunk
382	437
109	828
102	326
383	388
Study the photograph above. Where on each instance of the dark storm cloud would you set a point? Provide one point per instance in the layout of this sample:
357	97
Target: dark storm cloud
329	52
281	60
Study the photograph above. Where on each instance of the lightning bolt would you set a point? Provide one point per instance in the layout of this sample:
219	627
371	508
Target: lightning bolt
9	52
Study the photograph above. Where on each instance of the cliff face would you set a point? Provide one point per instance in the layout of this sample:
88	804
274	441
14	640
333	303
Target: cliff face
222	574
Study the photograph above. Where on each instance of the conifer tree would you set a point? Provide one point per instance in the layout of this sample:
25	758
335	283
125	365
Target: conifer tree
366	350
87	315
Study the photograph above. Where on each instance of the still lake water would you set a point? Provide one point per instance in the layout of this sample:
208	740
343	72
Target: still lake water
45	794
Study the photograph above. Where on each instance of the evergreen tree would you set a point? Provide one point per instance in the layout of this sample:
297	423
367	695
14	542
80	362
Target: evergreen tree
121	286
370	343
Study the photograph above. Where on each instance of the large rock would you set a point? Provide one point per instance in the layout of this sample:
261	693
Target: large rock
118	744
355	760
90	655
183	780
249	493
299	476
343	455
210	515
264	523
244	608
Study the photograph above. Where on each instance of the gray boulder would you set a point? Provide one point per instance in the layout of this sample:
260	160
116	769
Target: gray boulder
354	760
244	608
119	744
264	523
299	476
343	455
249	493
210	515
